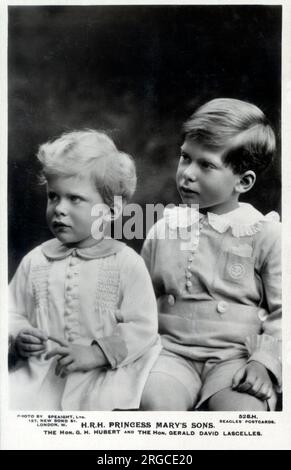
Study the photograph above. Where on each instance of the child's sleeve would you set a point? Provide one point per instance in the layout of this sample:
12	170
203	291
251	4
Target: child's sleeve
137	329
147	248
20	299
266	348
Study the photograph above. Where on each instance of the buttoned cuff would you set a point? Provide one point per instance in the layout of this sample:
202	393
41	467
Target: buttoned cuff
114	348
266	350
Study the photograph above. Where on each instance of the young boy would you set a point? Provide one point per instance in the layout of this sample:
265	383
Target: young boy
79	290
219	298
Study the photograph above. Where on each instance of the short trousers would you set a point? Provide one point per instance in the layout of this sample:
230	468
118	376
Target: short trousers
201	379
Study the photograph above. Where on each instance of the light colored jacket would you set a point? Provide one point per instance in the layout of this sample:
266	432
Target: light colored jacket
219	297
103	294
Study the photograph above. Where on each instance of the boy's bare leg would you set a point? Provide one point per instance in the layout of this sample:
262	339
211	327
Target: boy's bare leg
163	392
230	400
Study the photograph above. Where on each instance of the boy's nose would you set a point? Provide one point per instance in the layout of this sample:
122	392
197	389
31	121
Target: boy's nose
190	173
61	208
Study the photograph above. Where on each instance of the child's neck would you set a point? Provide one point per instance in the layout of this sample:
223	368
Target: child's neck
85	244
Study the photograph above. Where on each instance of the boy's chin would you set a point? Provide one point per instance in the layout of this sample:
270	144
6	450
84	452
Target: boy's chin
84	243
66	239
190	203
189	200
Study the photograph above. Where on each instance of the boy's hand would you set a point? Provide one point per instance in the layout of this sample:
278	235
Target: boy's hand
253	378
30	342
76	357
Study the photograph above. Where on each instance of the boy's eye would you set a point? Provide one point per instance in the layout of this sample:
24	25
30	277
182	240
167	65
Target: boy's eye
52	196
184	157
75	198
208	165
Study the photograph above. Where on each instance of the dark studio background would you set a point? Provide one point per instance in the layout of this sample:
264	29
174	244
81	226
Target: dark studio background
137	72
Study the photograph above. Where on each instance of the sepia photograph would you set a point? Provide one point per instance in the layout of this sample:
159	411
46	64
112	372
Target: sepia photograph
143	286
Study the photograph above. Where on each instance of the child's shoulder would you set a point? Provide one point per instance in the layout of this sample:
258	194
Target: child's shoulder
128	256
268	236
130	264
246	220
35	254
33	258
271	225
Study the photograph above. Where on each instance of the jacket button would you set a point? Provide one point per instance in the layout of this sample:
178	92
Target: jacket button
67	311
171	300
262	314
188	284
222	307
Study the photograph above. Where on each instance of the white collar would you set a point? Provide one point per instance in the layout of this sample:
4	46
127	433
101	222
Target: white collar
181	216
245	220
54	249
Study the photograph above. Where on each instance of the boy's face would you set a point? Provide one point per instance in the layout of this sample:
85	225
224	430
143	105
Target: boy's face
69	205
202	178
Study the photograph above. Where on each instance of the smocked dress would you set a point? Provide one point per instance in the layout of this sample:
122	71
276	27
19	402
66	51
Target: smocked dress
103	294
218	286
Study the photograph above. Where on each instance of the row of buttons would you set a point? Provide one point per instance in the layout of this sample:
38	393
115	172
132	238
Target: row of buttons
71	298
193	250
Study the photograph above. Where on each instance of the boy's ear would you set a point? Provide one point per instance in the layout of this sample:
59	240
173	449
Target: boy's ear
117	208
246	181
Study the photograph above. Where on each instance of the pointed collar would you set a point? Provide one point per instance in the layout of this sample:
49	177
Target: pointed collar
245	220
54	249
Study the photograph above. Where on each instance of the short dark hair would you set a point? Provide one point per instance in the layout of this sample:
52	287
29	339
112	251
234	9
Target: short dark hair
237	128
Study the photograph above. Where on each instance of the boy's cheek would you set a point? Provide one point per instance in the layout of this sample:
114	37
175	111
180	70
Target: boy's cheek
178	176
48	215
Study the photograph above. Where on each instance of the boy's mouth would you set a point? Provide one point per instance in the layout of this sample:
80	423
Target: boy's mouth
57	224
187	191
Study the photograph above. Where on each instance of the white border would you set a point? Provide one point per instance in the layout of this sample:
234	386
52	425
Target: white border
20	434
